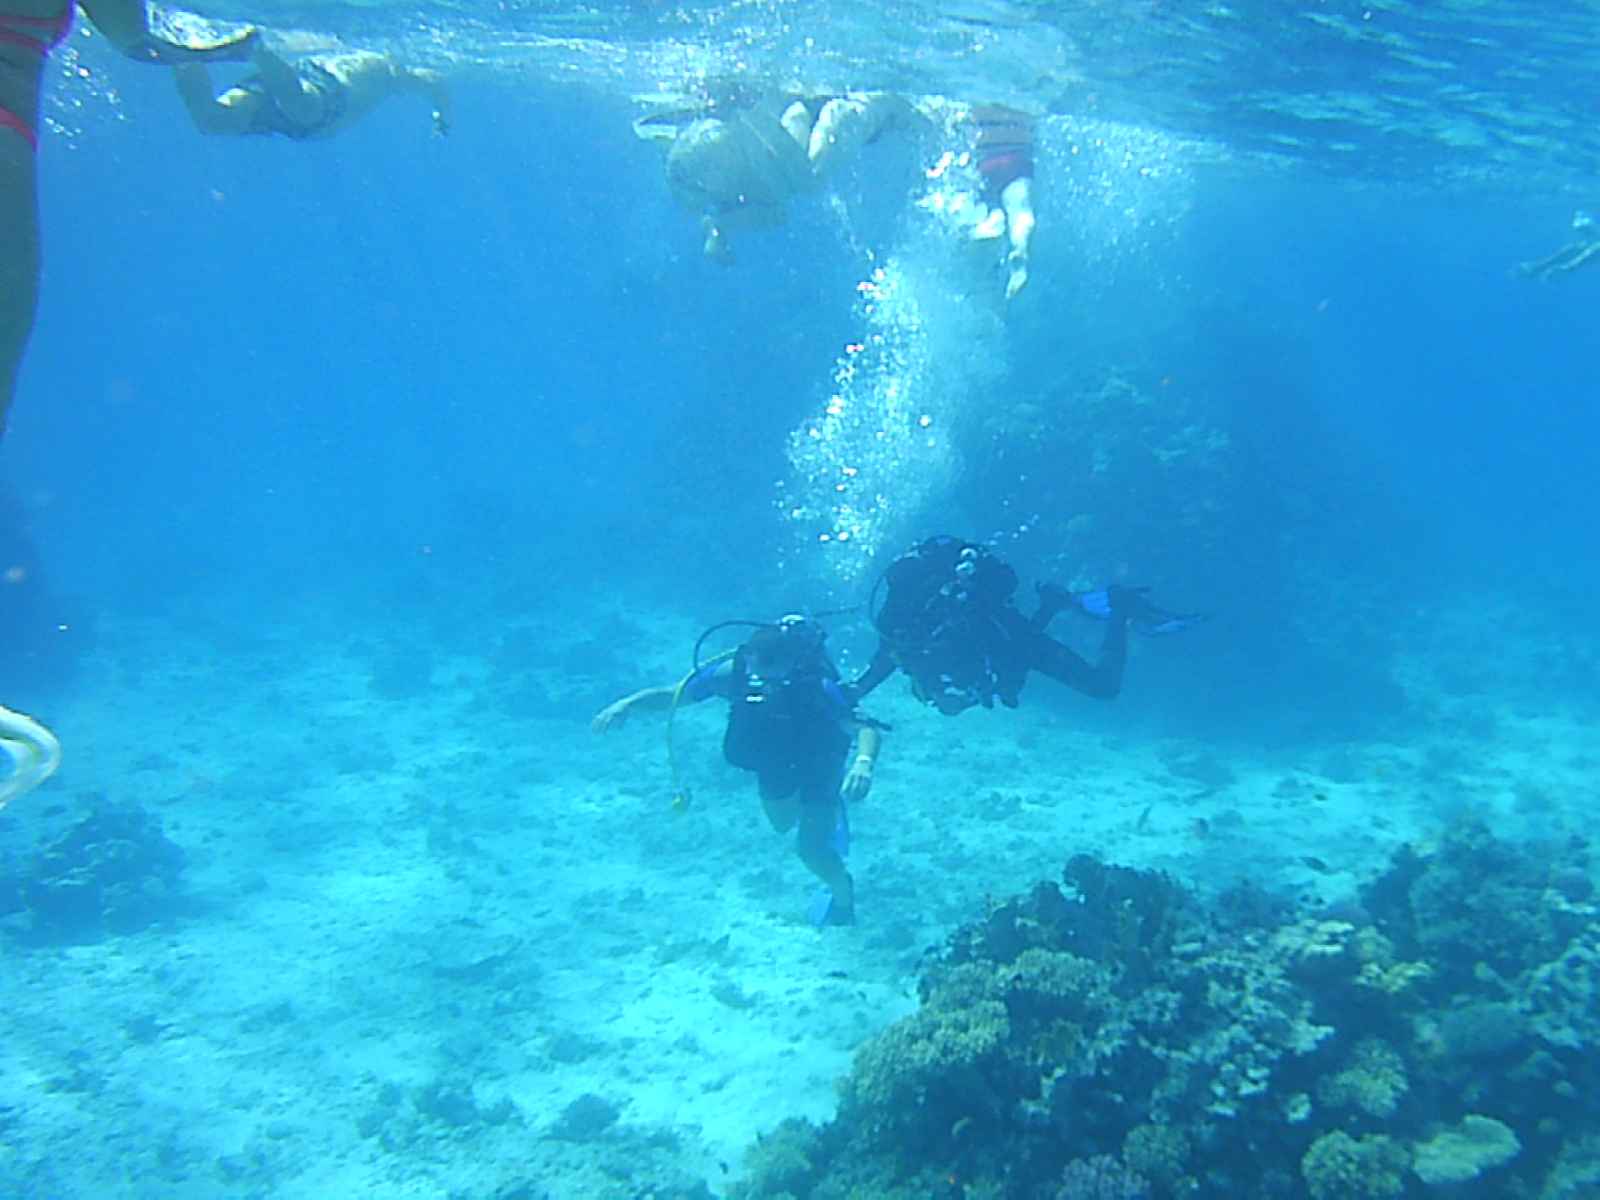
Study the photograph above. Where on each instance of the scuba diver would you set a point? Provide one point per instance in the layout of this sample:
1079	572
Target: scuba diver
950	623
791	723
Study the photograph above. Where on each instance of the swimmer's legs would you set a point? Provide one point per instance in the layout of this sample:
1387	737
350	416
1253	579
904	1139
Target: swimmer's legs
796	122
1017	201
1568	258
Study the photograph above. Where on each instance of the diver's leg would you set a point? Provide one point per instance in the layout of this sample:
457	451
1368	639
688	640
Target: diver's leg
1102	679
818	845
1053	600
782	808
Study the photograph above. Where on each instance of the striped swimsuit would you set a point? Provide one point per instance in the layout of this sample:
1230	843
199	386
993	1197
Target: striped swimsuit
37	35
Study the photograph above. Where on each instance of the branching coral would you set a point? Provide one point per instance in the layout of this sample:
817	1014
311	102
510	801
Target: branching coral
780	1164
1340	1167
1224	1055
1158	1152
1373	1081
930	1065
1112	1022
1564	995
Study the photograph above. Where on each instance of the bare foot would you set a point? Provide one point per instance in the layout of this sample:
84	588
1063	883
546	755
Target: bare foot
1018	279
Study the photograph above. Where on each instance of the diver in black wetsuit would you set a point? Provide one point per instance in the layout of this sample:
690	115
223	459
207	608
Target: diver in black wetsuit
790	722
949	621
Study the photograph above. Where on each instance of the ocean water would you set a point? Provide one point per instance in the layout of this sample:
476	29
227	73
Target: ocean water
348	479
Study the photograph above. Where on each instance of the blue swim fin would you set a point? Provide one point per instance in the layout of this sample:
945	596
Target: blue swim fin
823	911
1144	618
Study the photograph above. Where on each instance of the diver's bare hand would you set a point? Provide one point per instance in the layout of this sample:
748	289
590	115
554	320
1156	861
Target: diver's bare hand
612	716
857	781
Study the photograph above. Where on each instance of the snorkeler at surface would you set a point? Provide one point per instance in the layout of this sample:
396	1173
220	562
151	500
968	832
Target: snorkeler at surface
738	159
949	622
29	30
1004	149
316	97
1570	257
790	723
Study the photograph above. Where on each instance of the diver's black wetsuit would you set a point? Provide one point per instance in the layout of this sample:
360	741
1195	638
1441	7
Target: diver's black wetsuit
791	732
950	623
795	733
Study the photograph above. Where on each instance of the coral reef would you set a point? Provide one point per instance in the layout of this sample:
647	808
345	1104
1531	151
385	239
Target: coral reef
1372	1082
1340	1167
112	872
1110	1036
1461	1154
585	1119
1100	1177
1158	1152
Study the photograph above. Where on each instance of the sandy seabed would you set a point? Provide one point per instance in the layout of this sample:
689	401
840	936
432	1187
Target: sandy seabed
433	938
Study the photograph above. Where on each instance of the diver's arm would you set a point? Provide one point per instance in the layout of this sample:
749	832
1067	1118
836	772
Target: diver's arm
1053	599
858	779
881	667
656	699
126	25
869	744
